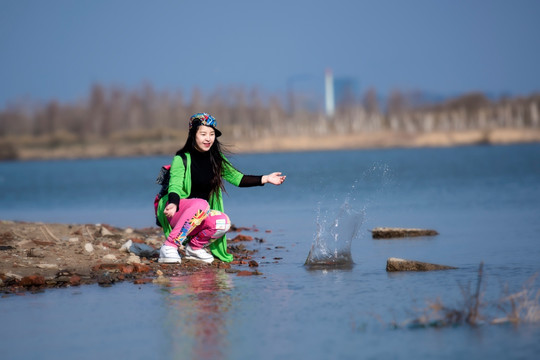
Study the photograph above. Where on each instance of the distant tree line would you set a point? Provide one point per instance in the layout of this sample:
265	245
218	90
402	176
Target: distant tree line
115	114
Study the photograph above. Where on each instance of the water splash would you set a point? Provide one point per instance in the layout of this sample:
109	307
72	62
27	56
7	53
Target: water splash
331	247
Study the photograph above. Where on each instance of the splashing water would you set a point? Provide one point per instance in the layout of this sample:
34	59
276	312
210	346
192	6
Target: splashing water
332	245
336	232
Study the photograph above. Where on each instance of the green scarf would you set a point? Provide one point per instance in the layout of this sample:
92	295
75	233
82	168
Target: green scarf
180	183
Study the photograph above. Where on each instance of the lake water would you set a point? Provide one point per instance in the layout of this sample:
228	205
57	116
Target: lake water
483	200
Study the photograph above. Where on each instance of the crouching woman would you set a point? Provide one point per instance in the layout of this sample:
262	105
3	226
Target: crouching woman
192	211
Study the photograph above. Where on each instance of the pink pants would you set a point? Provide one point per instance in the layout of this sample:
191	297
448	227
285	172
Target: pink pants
196	221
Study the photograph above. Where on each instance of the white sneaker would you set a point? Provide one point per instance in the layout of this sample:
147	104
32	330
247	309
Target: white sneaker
200	255
169	255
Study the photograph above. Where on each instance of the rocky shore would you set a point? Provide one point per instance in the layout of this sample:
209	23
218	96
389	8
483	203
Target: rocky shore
36	256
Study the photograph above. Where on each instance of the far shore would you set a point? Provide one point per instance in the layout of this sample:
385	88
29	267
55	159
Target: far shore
367	140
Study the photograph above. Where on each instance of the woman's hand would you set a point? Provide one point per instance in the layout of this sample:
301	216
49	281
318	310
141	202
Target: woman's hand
274	178
170	210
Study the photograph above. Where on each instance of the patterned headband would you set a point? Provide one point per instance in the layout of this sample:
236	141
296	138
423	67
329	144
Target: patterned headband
204	118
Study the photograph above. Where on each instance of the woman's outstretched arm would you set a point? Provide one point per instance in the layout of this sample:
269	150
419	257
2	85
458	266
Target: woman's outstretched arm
274	178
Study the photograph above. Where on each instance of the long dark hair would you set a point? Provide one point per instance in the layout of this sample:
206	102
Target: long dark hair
216	157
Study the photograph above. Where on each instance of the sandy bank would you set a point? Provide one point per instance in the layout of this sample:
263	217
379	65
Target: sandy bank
372	140
377	140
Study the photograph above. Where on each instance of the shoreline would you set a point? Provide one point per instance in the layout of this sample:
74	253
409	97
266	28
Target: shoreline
36	256
386	140
355	141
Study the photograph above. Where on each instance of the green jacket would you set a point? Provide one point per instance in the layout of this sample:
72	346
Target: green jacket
180	183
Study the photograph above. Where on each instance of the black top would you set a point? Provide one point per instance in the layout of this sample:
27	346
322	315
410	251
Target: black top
201	178
201	175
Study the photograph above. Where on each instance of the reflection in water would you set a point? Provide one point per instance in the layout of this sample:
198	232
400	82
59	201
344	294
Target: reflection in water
197	308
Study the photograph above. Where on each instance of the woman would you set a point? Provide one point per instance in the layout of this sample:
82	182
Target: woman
192	211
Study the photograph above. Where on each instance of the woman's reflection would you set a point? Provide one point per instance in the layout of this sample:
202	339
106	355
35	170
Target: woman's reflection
199	302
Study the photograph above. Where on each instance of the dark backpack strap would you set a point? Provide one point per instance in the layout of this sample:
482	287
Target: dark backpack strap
184	159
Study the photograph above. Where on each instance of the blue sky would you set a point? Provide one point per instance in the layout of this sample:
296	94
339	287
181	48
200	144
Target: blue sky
56	49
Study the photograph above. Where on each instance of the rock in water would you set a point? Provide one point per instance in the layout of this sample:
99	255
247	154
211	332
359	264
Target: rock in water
389	233
341	260
395	264
331	248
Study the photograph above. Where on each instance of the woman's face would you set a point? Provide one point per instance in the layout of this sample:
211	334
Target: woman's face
204	138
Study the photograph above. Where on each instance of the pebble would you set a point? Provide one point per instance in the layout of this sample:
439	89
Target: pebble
162	280
12	275
89	247
47	266
105	232
33	280
126	246
133	259
128	231
33	252
75	280
109	257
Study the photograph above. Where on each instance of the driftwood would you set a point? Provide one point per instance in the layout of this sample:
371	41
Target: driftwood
395	264
389	233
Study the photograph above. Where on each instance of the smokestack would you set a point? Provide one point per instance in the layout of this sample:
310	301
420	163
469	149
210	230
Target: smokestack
329	92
